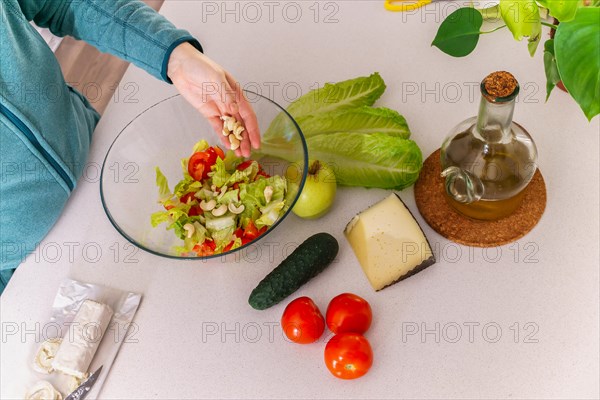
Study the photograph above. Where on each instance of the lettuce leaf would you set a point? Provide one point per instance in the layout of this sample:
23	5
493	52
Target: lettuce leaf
352	93
345	95
200	146
164	193
221	229
376	160
363	120
256	208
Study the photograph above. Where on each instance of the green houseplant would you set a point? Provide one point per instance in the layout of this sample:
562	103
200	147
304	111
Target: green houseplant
571	56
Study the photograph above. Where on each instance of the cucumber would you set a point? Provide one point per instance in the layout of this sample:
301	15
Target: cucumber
308	260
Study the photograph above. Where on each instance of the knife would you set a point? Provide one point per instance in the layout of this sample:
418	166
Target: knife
82	391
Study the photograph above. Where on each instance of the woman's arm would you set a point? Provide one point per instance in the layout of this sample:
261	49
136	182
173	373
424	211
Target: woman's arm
135	32
126	28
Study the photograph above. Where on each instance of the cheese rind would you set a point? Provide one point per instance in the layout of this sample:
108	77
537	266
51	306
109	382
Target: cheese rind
81	342
388	242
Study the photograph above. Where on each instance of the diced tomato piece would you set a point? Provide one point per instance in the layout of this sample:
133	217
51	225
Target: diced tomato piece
212	155
185	199
228	247
245	241
244	165
236	186
195	211
239	233
205	249
251	232
197	167
219	152
262	230
261	172
169	207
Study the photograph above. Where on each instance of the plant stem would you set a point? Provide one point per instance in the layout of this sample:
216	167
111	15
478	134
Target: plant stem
549	25
493	30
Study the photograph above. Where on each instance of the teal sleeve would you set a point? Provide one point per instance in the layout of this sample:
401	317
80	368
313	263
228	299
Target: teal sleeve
126	28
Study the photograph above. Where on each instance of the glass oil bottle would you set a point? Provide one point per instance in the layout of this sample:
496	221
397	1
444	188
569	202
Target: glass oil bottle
487	161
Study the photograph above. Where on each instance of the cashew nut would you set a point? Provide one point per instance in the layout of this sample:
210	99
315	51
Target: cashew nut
221	210
237	132
236	210
189	228
207	206
235	143
268	193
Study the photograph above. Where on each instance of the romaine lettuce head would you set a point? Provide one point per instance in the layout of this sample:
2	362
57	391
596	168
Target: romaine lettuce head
376	160
333	97
360	120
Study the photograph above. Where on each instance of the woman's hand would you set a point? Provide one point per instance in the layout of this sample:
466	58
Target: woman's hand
213	92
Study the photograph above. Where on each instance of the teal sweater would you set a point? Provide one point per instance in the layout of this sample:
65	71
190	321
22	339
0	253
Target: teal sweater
45	125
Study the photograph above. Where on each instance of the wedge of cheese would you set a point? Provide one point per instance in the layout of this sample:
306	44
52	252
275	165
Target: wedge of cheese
388	242
85	334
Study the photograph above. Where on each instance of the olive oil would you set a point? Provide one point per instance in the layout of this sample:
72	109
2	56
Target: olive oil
488	209
489	160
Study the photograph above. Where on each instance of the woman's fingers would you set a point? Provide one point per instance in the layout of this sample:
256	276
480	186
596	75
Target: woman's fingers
246	113
245	145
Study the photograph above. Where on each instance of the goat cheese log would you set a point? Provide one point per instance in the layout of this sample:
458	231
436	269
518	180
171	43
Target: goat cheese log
79	345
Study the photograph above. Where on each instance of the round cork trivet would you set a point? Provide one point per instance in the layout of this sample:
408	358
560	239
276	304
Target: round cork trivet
444	219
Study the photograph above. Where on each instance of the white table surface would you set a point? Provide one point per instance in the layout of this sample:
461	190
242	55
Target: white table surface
545	286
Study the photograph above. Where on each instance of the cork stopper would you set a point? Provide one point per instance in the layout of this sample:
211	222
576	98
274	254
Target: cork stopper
500	86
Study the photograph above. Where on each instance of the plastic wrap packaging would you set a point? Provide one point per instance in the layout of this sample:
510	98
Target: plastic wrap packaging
101	344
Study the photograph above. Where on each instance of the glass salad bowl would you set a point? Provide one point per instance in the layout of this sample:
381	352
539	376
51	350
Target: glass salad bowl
162	136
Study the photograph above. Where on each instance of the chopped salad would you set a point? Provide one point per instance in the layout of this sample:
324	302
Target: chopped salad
222	202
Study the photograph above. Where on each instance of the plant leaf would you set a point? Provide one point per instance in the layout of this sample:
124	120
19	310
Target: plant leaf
459	33
522	17
577	49
563	10
534	39
552	75
364	119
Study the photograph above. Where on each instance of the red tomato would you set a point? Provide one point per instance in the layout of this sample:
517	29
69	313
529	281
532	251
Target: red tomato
195	211
197	167
239	232
262	173
205	249
211	156
219	152
348	313
187	197
348	355
228	247
169	207
251	232
302	322
244	165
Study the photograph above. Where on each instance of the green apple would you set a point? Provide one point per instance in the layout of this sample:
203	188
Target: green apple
318	193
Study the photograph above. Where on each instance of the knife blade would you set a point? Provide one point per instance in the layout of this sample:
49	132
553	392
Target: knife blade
82	391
